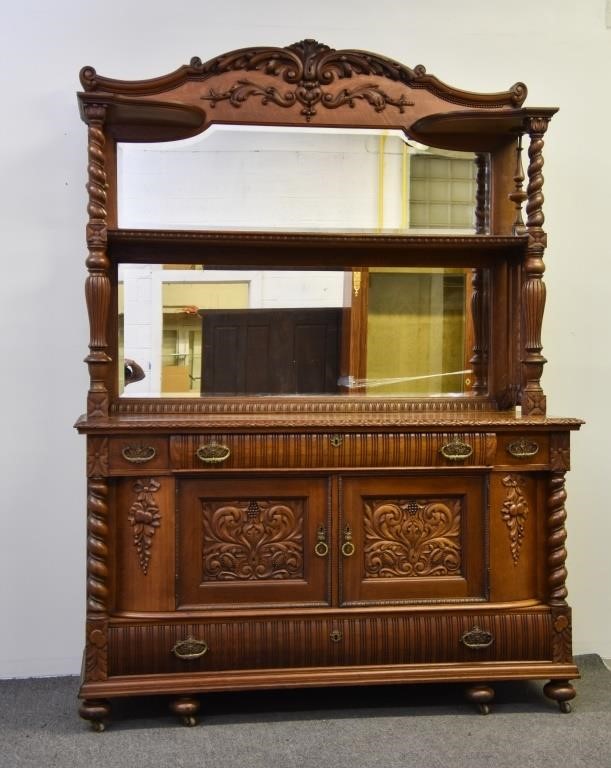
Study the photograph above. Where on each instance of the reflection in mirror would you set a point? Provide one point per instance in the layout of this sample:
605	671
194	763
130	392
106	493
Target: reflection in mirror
249	177
375	331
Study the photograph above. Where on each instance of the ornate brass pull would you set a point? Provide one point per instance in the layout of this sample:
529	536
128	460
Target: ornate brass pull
190	649
477	638
523	448
138	454
348	548
213	453
336	636
336	441
322	548
456	450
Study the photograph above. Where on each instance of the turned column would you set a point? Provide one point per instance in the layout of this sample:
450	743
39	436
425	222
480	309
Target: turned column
560	691
96	641
533	287
479	358
97	285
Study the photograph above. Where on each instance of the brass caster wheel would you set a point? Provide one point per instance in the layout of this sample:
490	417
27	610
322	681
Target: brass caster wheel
562	692
481	696
96	711
186	708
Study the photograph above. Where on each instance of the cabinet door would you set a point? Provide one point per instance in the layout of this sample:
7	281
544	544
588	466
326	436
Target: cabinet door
406	539
253	541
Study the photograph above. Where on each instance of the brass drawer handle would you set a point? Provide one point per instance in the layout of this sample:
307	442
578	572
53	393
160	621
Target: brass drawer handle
213	453
523	449
456	450
138	454
477	638
348	548
322	548
190	649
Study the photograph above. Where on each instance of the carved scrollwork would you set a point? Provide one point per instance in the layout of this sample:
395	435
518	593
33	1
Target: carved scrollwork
252	540
412	537
515	512
310	67
144	518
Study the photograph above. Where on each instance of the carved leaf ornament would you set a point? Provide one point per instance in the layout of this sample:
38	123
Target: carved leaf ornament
145	519
309	66
514	512
408	538
252	540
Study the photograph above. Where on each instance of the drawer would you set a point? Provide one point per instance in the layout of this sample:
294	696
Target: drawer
137	454
331	450
521	449
333	640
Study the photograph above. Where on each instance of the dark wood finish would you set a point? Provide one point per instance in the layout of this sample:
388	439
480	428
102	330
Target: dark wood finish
243	542
270	351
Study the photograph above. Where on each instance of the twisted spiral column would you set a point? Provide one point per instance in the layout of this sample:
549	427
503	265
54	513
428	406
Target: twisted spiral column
97	285
97	547
533	289
556	538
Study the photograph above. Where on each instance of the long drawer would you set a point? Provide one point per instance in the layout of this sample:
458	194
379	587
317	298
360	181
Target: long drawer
327	450
144	648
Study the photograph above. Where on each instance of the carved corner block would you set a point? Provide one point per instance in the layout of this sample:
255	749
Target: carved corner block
96	651
534	403
560	451
562	643
97	457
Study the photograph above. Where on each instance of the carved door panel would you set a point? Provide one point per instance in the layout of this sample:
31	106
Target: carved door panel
413	539
253	541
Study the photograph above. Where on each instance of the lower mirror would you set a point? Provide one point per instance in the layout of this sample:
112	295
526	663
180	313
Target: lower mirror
375	331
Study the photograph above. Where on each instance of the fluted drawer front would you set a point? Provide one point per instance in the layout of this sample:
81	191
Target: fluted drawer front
329	641
260	451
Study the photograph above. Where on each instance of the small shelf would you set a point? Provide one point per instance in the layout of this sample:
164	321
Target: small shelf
310	249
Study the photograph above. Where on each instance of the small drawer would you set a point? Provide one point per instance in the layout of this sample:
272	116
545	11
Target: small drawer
522	449
332	640
138	454
331	450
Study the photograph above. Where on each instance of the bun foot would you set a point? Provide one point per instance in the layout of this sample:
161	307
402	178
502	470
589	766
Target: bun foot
481	696
96	712
562	692
186	708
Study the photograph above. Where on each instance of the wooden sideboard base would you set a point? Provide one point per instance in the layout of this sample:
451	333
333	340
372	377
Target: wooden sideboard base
326	676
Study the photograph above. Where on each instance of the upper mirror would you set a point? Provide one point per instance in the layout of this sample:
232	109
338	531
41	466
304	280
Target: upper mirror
280	178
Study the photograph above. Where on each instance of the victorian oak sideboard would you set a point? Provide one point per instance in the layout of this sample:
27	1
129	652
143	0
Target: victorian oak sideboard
321	519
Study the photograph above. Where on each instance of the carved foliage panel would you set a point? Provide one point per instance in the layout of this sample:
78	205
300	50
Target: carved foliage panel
409	537
253	539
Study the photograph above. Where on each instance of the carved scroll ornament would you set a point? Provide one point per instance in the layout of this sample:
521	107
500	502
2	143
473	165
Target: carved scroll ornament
308	66
408	538
252	540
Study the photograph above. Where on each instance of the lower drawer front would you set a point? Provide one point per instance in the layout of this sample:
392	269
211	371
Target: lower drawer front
330	641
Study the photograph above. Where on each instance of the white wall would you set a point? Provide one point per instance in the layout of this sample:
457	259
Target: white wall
561	48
